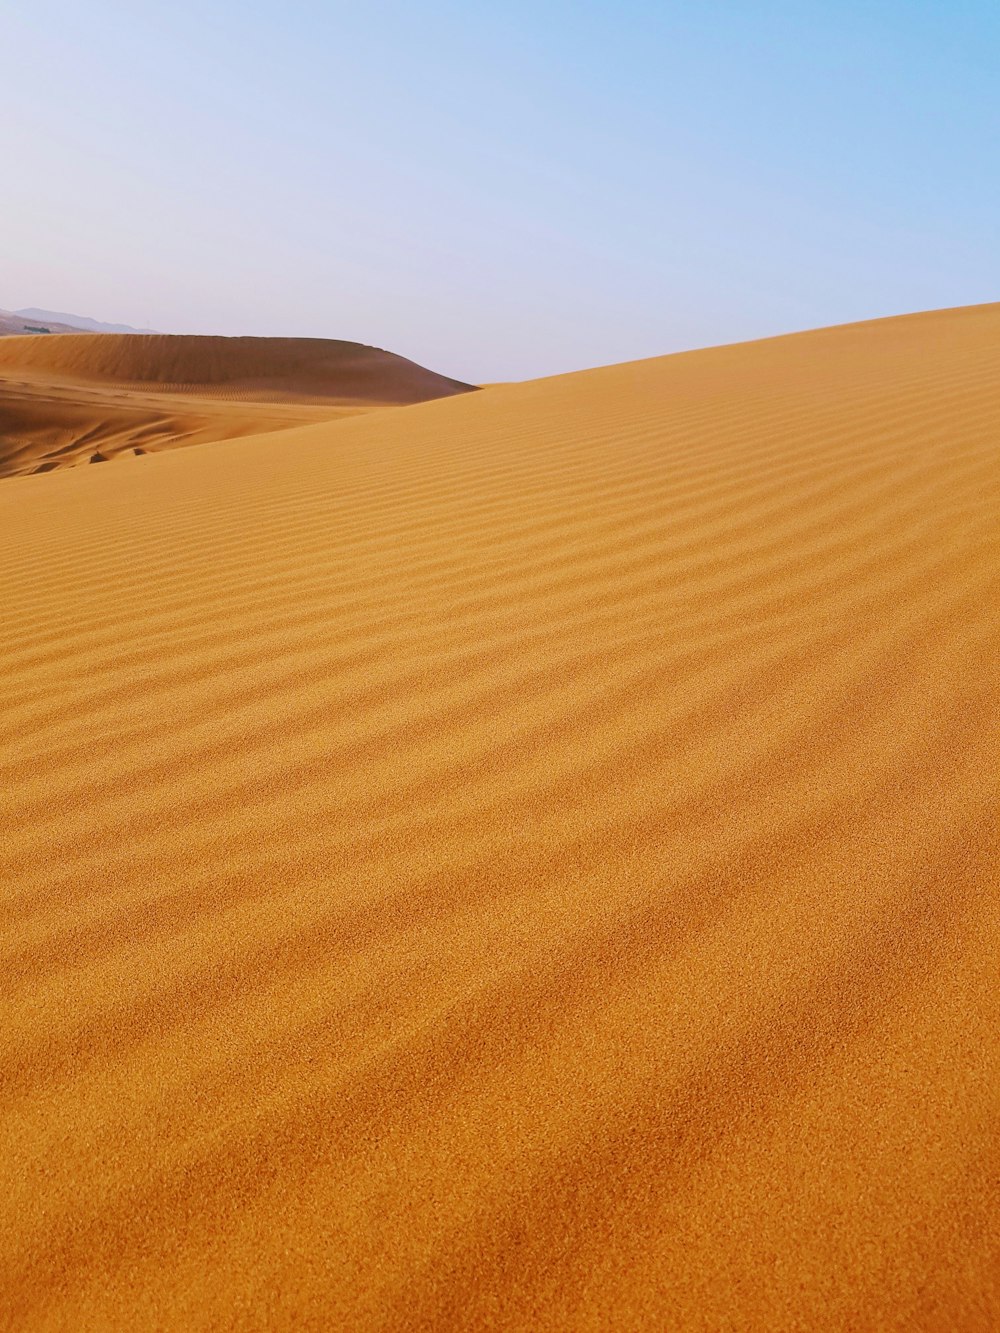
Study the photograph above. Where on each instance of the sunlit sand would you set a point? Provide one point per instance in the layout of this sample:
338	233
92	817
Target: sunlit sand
522	860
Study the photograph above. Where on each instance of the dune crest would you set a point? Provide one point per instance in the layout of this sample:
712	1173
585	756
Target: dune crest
61	397
525	862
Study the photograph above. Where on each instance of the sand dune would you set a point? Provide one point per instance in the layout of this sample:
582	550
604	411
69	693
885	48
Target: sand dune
83	398
533	865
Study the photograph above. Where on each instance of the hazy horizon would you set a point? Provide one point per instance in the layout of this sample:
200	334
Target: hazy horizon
501	195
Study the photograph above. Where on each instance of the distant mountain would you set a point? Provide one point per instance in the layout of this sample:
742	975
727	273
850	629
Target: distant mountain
20	324
81	322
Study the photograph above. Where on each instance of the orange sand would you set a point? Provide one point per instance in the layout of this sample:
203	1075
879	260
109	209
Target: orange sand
527	861
88	397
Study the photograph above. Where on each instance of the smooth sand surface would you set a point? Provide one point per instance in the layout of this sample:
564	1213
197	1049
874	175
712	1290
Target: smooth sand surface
524	861
85	397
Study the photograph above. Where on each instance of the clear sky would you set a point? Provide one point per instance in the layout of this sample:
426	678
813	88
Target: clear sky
500	190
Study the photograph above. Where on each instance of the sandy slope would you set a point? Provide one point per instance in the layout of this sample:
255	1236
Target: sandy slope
83	398
525	861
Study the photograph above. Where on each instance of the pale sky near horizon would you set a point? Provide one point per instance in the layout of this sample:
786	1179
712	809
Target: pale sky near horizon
500	191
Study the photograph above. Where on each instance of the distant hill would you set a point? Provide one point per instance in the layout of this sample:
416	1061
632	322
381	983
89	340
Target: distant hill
81	322
261	369
88	398
13	323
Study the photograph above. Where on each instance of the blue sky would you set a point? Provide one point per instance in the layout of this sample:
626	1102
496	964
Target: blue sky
500	191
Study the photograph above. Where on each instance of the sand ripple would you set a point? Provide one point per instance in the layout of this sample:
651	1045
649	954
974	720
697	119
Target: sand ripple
529	860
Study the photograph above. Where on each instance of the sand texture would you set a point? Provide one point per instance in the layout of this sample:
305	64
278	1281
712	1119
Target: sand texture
529	860
88	398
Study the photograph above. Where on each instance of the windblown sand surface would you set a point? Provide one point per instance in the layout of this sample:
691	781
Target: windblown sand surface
529	860
86	398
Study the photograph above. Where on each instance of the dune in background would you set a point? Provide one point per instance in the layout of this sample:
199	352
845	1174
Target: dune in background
530	861
83	398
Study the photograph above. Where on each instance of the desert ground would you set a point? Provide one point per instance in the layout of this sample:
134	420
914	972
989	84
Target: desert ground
524	860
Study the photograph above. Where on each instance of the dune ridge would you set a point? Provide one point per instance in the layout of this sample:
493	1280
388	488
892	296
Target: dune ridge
333	371
85	397
529	861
